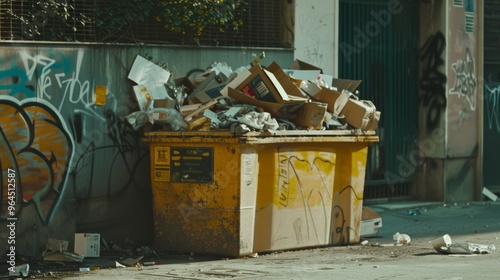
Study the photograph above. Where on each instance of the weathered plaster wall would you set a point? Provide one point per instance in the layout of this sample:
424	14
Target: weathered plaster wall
432	98
463	97
316	33
449	96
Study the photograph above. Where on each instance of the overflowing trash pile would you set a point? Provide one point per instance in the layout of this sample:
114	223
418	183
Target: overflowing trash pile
251	98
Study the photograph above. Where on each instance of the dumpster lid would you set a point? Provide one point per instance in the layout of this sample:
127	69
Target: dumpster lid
273	136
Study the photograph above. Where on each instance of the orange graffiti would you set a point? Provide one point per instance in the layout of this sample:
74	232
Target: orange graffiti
34	142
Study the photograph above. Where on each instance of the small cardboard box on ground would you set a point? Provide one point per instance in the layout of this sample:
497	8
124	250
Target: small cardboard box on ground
88	244
371	222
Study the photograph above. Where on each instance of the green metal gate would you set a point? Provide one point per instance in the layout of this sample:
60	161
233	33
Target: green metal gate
491	128
378	43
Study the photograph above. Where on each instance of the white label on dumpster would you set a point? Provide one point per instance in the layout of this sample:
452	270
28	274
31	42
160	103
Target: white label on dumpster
162	164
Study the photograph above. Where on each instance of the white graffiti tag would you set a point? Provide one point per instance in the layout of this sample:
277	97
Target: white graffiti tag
466	81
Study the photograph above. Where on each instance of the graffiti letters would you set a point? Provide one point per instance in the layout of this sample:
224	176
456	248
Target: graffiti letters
465	81
34	140
305	184
341	213
283	183
433	82
51	75
491	103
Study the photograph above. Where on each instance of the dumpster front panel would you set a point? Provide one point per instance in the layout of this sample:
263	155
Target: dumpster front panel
294	196
197	195
309	194
348	193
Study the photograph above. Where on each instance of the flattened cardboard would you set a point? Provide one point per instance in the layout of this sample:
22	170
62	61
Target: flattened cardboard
349	85
282	109
303	74
209	89
285	80
144	71
302	65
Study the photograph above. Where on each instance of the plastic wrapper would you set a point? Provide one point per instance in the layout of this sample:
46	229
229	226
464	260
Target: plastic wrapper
138	119
169	116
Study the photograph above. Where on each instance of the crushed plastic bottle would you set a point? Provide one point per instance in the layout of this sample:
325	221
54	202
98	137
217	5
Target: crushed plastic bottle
412	212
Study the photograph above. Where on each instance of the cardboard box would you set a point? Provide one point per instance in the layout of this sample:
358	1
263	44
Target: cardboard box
311	115
145	95
371	222
283	109
235	81
210	88
264	86
357	113
186	83
88	244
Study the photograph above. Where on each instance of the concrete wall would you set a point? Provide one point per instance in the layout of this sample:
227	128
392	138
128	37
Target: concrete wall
449	94
316	33
79	166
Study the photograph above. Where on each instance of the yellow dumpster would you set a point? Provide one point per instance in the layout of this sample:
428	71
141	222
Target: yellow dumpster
231	195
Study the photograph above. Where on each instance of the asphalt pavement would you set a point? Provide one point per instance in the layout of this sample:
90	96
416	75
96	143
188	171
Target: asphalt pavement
377	257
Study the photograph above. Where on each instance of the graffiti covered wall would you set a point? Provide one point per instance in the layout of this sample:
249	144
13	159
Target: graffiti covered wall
462	86
64	150
449	94
78	166
463	91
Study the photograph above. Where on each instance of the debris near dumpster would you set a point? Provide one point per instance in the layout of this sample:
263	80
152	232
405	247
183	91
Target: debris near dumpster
129	261
57	251
444	245
251	98
401	238
20	270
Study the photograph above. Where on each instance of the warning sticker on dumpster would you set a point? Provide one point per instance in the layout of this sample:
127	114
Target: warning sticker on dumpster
162	164
192	165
